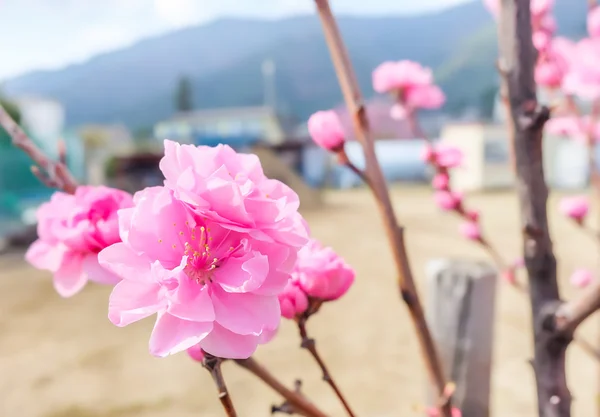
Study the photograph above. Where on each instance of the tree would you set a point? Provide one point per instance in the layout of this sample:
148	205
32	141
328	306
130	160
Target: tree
183	95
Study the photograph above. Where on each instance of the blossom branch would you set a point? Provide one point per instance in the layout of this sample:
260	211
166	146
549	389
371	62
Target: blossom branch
395	232
213	365
57	173
310	345
294	399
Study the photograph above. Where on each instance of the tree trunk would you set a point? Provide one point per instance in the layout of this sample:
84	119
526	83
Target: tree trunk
517	63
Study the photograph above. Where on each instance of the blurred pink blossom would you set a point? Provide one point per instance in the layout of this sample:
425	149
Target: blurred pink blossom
508	275
440	181
472	215
574	207
554	64
326	130
400	75
293	300
447	200
448	156
72	230
428	154
593	22
322	273
425	97
470	230
583	78
576	128
581	278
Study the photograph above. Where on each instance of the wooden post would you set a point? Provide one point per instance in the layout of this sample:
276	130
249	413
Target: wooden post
460	311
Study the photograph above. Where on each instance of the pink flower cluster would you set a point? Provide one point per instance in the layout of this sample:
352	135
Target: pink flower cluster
580	129
319	274
411	84
443	158
72	230
209	253
325	129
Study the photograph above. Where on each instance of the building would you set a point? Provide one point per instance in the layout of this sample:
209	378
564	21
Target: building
237	127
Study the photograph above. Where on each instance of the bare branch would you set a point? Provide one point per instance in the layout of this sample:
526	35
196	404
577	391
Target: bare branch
294	399
571	314
354	102
57	172
213	366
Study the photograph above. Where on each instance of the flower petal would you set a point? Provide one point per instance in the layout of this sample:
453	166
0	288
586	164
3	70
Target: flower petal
70	279
131	301
125	263
95	272
245	313
243	274
226	344
199	308
171	334
45	256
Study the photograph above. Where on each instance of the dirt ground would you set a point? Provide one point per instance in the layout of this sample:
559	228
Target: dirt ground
62	358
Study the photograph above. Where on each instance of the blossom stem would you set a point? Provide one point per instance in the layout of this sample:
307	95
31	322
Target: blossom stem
310	345
213	366
57	173
294	399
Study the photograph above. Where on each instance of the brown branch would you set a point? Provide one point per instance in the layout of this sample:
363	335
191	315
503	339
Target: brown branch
395	235
571	314
528	118
310	345
213	366
57	173
297	401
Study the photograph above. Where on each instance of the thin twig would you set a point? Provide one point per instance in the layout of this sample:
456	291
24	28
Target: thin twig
395	233
299	403
572	313
213	365
310	345
57	173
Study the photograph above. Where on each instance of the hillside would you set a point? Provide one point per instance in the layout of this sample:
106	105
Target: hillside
135	85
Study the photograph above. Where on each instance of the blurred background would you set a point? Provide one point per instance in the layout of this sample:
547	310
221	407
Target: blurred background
114	78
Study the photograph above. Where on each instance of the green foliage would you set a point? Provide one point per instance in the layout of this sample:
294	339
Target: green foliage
183	95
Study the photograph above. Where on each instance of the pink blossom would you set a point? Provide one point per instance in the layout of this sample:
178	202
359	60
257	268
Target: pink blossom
398	111
470	230
574	207
293	300
508	275
195	352
434	412
554	64
424	97
428	154
326	130
400	75
447	200
230	188
541	39
581	278
440	181
72	229
448	156
593	22
208	283
472	215
583	78
322	273
576	128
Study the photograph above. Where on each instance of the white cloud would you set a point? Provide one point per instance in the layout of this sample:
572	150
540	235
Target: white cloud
178	13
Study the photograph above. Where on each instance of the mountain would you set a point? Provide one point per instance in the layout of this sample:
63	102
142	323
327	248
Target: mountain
136	85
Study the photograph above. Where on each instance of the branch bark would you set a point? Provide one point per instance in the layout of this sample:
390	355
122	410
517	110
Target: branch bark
518	59
57	173
298	402
395	235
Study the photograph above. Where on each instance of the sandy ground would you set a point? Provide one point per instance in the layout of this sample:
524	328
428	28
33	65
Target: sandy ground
62	358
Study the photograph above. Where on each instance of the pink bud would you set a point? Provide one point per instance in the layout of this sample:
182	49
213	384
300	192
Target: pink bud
195	352
326	130
470	230
449	156
440	181
472	215
434	412
509	276
593	22
447	200
574	207
428	154
581	278
292	300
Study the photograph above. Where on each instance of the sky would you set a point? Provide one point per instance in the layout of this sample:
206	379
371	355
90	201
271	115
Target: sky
48	34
